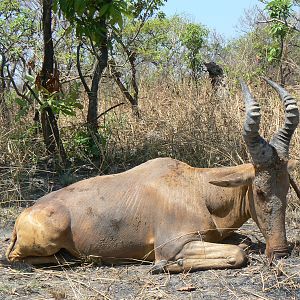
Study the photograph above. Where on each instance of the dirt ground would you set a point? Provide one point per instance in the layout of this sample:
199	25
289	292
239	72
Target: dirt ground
257	280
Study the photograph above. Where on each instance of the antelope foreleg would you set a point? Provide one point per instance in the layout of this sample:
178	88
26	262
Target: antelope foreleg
199	255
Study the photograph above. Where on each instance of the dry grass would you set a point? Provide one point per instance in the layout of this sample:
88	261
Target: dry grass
185	123
195	125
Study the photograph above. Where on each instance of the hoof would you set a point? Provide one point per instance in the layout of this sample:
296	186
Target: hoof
158	267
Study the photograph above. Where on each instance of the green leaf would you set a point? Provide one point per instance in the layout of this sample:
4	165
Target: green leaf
68	30
30	78
78	105
21	102
79	6
104	9
55	6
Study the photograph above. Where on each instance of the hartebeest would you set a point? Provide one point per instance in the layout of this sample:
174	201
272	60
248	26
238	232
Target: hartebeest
166	211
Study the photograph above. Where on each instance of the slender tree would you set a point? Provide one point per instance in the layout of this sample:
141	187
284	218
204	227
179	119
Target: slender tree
140	12
91	19
49	81
279	12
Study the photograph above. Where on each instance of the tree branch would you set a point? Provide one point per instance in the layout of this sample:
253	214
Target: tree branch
102	114
87	89
111	108
273	20
33	93
15	86
66	80
122	87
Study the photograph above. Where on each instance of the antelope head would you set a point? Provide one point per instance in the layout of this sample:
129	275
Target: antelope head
270	159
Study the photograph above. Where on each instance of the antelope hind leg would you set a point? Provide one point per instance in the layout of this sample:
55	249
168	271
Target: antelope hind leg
45	260
199	255
40	260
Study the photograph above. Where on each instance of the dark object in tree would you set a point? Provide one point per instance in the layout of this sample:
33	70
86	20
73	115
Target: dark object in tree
215	73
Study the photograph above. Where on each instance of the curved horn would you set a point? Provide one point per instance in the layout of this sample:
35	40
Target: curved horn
281	140
260	151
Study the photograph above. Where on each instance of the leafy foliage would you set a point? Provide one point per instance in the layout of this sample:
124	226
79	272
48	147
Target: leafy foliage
89	16
193	38
168	43
279	9
142	9
279	12
17	28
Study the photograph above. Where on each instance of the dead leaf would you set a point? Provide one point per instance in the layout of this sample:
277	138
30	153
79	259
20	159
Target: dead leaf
188	288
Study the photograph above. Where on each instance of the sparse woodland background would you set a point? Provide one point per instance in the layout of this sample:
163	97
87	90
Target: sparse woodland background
97	87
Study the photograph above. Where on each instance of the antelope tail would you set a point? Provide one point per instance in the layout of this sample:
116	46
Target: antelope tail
12	243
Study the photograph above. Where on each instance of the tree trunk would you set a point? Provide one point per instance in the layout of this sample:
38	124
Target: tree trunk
93	98
5	113
102	59
131	97
49	123
92	92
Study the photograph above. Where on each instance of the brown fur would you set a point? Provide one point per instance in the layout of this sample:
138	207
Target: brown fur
162	210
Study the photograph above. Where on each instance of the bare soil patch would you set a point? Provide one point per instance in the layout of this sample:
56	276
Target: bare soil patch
258	280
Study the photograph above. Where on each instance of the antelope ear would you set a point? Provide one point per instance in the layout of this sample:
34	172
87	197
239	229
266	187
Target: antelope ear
292	164
234	179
